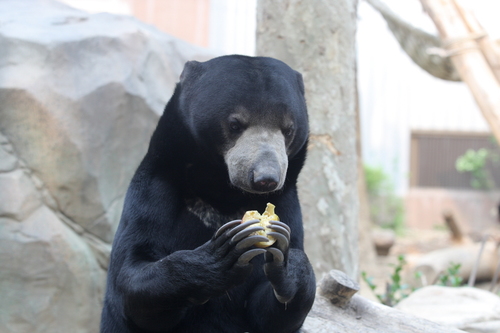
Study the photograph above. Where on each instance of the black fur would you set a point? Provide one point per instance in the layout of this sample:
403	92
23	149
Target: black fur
165	261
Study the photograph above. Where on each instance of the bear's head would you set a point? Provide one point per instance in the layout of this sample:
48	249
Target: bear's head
248	111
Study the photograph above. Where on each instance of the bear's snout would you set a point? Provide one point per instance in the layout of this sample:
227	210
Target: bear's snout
266	173
258	161
265	183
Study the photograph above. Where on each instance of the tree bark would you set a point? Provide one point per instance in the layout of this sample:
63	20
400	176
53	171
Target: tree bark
422	47
366	246
317	38
468	59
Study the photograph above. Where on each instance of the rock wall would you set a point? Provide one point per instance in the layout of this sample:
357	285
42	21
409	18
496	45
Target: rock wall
80	96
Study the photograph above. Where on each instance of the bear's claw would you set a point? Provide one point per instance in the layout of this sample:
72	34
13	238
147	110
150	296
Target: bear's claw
281	239
226	226
281	224
249	241
278	256
240	227
245	258
281	230
244	233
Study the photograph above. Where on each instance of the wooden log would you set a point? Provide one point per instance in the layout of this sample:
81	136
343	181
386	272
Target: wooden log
468	59
364	316
338	287
456	233
487	46
434	263
359	315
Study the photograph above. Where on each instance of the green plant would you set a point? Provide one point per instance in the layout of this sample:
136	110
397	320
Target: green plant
386	208
450	277
395	291
377	181
475	163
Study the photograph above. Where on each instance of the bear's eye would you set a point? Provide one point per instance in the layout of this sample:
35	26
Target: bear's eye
288	131
235	126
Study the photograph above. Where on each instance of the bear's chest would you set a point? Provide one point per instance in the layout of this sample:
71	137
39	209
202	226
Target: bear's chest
210	216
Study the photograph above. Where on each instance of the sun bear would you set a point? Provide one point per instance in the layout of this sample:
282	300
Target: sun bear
232	138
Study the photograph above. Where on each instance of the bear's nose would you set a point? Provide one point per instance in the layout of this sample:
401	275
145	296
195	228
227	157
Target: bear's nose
264	182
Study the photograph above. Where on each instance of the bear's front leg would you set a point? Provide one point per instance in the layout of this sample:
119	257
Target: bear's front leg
224	261
281	304
288	270
157	294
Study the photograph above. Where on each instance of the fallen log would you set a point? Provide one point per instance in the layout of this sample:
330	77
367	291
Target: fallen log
434	263
358	314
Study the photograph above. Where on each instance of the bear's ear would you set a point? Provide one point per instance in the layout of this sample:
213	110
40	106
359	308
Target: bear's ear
300	81
192	70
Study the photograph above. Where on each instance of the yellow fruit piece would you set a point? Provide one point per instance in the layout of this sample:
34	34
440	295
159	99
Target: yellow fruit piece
264	219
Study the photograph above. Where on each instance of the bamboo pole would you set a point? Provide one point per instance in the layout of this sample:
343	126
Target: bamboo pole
487	46
468	59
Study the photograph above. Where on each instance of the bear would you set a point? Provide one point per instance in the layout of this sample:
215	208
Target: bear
232	138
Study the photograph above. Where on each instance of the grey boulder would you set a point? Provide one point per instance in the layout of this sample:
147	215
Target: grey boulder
470	309
80	96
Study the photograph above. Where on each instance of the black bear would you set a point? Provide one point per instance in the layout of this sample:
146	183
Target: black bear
232	138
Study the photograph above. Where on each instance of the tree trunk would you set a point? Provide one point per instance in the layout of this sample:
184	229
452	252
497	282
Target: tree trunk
366	246
317	38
